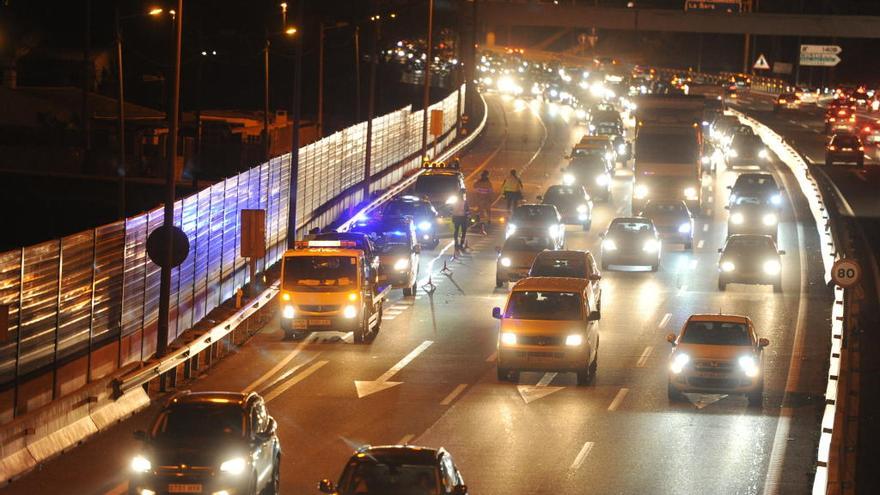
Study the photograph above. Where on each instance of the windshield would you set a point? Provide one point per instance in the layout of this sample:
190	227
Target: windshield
370	476
667	148
583	152
746	141
756	181
607	129
200	421
563	195
845	141
393	241
536	305
534	214
594	165
433	184
527	244
550	267
664	208
402	209
715	333
630	227
750	243
335	273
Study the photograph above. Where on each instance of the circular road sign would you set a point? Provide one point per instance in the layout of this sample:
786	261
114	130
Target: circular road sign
156	245
846	272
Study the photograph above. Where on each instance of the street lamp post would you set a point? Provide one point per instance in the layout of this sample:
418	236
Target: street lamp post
426	96
322	30
297	118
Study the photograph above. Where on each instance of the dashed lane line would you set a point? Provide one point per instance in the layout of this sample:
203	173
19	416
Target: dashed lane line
643	359
581	456
664	321
452	395
621	394
293	381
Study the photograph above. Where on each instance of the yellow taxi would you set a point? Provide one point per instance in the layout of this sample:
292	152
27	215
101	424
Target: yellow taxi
717	354
548	324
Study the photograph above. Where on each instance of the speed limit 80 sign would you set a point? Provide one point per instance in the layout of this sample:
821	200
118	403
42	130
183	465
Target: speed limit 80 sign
846	272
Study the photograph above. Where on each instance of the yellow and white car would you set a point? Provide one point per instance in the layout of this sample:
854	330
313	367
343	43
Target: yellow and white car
548	324
717	354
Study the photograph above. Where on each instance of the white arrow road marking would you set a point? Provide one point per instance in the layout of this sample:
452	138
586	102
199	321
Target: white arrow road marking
531	393
703	400
365	388
281	364
621	394
582	456
643	359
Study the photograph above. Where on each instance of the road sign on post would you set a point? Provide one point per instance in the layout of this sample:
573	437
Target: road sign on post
436	123
761	63
253	241
820	55
846	272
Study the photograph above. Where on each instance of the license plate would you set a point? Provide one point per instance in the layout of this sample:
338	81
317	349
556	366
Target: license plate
714	374
300	324
319	323
845	149
184	488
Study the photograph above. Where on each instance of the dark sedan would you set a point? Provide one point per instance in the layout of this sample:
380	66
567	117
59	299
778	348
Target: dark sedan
750	259
631	241
573	203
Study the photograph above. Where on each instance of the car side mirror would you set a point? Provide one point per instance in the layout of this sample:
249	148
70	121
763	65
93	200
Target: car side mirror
269	432
670	338
460	490
762	342
730	188
602	235
594	316
327	486
140	435
781	252
496	313
595	277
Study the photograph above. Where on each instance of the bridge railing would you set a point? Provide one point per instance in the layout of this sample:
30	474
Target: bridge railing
82	307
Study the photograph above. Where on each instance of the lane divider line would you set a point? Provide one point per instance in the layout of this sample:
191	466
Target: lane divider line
281	364
701	243
293	381
492	357
643	359
664	321
406	439
581	456
705	227
621	394
452	395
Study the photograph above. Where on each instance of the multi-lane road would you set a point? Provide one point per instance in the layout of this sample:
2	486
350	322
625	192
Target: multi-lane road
545	434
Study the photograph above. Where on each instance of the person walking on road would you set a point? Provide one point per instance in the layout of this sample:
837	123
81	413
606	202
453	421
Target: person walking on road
513	190
460	221
485	197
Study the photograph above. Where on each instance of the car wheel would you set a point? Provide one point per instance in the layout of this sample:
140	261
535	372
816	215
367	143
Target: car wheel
583	377
722	285
274	486
503	374
673	394
408	291
756	398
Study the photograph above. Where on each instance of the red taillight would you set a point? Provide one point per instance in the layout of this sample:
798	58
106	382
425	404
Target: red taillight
841	112
861	148
781	101
867	129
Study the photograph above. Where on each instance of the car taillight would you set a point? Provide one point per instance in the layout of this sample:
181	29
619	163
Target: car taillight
861	148
781	101
832	148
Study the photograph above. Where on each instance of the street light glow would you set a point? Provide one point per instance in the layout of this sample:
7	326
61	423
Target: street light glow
290	31
155	11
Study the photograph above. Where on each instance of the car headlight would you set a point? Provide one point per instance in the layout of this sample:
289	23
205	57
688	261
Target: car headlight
609	155
737	219
609	245
349	311
602	179
705	160
727	266
705	122
771	267
621	149
568	179
505	262
511	229
769	219
425	226
140	464
574	340
733	153
553	230
690	193
401	264
763	154
640	192
580	114
684	228
234	466
776	199
749	365
451	200
508	338
288	311
554	93
678	363
591	127
651	246
582	208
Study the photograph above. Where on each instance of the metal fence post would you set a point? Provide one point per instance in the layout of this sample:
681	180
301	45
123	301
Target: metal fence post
121	294
144	298
57	318
92	305
18	334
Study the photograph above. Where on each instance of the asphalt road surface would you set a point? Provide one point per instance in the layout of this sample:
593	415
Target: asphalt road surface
545	434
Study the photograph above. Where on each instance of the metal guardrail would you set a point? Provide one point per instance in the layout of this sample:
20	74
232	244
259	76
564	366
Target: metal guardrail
829	248
172	360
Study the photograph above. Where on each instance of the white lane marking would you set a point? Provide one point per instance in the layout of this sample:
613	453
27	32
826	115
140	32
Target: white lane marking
406	439
621	394
491	358
367	387
281	364
643	359
531	393
664	321
867	157
546	379
293	381
701	243
389	317
118	489
452	395
709	212
706	227
582	456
